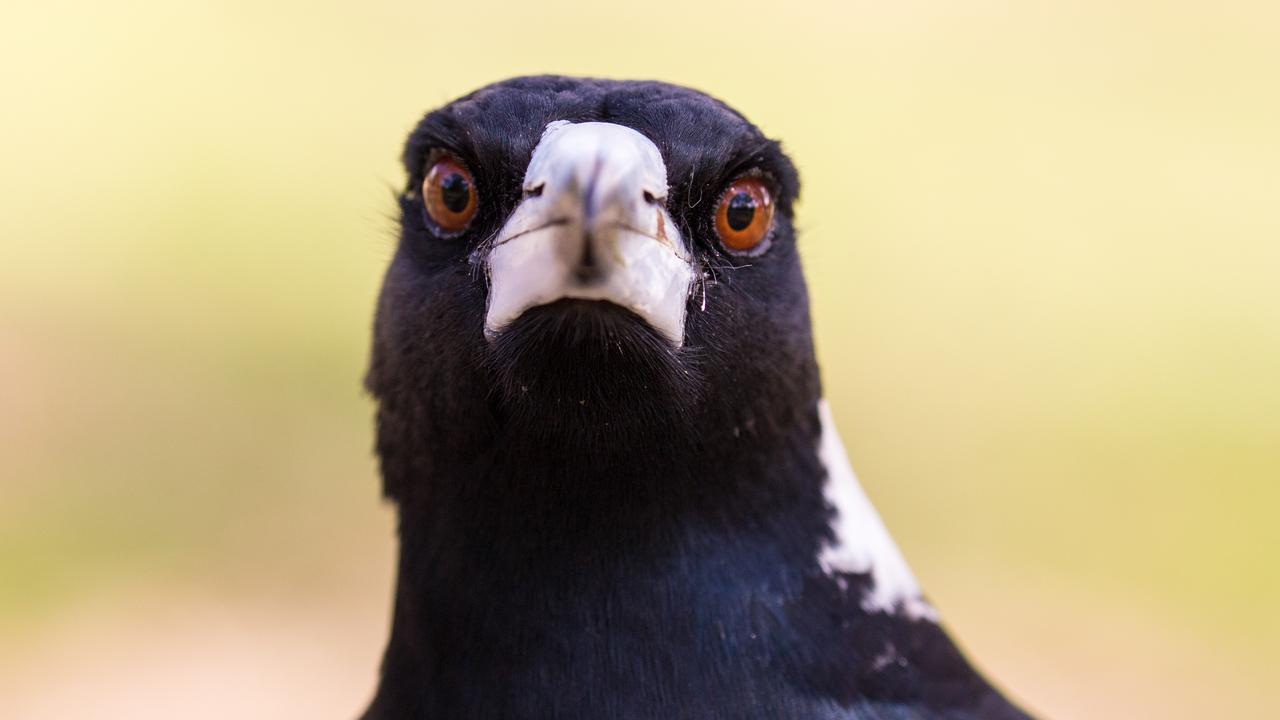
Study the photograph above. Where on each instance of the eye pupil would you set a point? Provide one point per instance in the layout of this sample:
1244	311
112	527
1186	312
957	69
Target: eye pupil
741	211
455	192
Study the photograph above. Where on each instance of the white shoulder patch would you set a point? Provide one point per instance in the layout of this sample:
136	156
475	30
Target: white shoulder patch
862	545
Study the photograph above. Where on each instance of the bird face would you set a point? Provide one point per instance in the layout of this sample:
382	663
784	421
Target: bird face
593	261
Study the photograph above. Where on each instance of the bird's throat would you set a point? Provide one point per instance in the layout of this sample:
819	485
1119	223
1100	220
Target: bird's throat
523	564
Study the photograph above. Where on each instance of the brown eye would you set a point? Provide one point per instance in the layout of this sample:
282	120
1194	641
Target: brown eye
450	195
744	215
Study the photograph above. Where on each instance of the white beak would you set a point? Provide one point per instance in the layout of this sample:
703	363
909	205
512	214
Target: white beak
592	225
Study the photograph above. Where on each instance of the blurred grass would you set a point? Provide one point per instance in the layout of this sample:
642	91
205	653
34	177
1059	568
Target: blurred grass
1043	243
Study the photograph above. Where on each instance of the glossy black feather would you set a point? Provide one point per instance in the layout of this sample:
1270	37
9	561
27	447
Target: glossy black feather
596	525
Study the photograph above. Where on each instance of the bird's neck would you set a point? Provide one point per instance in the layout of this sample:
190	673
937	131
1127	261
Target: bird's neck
520	563
529	510
689	583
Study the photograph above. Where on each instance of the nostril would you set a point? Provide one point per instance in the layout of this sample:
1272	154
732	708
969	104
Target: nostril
535	191
650	198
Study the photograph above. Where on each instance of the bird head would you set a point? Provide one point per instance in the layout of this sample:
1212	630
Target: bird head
595	264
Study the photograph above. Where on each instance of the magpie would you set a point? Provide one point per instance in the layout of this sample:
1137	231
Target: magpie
599	416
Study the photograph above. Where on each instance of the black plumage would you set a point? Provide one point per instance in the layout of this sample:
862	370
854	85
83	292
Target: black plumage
593	522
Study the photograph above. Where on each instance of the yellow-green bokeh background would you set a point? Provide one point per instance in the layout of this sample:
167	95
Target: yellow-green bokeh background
1043	241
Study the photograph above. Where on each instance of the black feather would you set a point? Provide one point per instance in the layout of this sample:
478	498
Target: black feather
594	524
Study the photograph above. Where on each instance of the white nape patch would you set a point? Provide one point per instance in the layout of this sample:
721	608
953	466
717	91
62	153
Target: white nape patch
600	184
862	543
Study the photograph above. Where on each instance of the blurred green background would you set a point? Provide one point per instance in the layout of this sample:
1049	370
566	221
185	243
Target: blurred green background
1044	248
